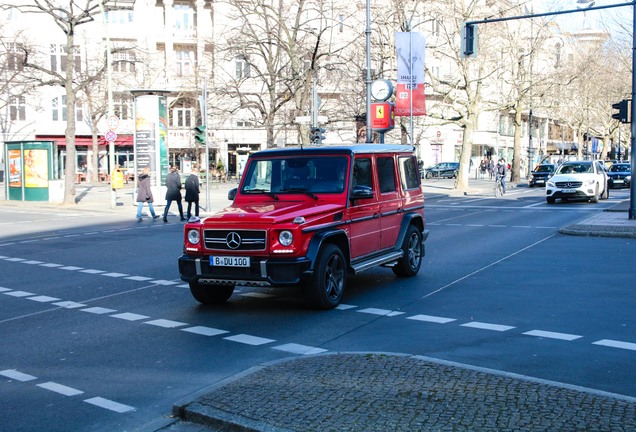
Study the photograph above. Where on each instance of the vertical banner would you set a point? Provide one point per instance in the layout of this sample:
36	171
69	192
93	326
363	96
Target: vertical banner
15	168
410	49
151	141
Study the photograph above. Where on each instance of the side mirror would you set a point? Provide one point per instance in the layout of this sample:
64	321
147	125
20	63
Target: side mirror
231	194
361	192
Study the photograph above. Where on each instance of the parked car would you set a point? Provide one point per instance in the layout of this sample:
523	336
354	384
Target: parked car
541	174
619	175
585	180
442	170
310	217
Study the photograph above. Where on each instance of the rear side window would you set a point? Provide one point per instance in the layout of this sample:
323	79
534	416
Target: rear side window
409	173
386	174
362	175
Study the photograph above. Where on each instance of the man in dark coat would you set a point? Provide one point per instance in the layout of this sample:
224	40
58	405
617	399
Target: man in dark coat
173	193
192	190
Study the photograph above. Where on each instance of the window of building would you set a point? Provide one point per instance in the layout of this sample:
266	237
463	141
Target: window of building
341	19
120	17
17	108
124	61
15	56
59	111
59	58
183	18
122	106
185	61
182	117
242	67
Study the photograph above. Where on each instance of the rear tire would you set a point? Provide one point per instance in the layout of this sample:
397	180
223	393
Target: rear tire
211	294
594	199
550	200
330	275
411	260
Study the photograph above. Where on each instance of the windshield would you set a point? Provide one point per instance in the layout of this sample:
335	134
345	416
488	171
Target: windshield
545	168
619	168
294	174
576	168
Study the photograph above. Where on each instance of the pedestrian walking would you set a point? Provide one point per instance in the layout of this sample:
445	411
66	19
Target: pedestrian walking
144	195
192	190
173	193
502	169
491	168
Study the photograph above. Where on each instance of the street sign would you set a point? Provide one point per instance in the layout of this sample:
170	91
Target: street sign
110	136
113	122
302	119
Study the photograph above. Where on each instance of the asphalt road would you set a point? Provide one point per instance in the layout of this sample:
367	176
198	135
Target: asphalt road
100	335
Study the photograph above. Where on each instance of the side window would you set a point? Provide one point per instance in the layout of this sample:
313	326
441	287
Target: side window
362	173
408	173
386	174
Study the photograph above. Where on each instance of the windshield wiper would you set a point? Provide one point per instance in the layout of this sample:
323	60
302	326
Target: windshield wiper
269	194
303	191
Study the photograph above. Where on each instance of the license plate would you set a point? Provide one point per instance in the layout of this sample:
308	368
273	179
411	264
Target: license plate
229	261
568	191
540	181
619	181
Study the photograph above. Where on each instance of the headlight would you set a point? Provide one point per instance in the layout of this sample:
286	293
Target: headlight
194	237
285	238
551	183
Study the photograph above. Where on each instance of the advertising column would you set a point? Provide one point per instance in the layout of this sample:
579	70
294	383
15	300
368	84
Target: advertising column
30	166
151	140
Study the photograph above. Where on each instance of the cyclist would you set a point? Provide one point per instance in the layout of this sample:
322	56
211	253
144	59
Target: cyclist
501	173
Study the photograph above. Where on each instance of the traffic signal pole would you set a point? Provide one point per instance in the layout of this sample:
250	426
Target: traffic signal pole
632	117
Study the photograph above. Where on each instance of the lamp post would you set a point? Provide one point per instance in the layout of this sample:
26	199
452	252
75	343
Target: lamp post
109	90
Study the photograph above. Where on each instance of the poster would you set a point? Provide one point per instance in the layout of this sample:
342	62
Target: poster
410	48
15	168
36	168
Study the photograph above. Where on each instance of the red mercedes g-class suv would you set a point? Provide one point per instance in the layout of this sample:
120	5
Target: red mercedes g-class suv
310	217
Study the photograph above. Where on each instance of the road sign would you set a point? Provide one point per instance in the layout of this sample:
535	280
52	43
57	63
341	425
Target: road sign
113	122
110	136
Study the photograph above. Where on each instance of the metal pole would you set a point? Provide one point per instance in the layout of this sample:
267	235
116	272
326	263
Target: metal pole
204	114
368	77
109	89
411	81
632	195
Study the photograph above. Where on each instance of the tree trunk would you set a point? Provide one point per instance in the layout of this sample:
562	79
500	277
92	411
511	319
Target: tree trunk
516	157
69	181
461	183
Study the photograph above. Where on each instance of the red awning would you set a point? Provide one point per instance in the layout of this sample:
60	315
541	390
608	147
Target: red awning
85	140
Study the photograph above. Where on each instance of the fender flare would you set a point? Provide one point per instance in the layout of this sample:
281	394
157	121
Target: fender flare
337	236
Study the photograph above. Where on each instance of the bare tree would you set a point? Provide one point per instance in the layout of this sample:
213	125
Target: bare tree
67	16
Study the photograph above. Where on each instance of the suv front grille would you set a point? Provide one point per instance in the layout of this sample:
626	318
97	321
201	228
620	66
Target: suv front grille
569	184
235	240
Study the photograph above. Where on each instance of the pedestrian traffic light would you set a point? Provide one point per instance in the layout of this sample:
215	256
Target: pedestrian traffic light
199	134
469	40
316	135
623	110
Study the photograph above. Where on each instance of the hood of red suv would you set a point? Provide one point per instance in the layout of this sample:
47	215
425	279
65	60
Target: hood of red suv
269	212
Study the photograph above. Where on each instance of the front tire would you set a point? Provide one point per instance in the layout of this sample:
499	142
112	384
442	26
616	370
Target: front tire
605	192
594	199
411	260
211	295
550	200
329	280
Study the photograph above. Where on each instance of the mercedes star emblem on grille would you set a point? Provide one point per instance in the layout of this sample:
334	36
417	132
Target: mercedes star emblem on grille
233	240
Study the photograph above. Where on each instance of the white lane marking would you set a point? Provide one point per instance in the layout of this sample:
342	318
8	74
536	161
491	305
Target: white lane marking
430	318
138	278
616	344
18	376
15	259
43	299
71	268
19	294
130	316
343	306
51	238
299	349
165	323
114	274
164	282
249	340
32	262
204	331
2	289
520	226
69	304
51	265
98	310
383	312
487	326
109	404
92	271
59	388
552	335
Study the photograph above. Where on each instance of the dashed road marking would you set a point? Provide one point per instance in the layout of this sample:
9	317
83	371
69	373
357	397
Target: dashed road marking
114	274
165	323
432	319
383	312
69	304
299	349
130	316
204	331
98	310
109	405
18	376
487	326
19	294
616	344
552	335
59	388
249	340
43	299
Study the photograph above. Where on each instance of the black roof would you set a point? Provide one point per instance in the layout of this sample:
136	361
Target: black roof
335	149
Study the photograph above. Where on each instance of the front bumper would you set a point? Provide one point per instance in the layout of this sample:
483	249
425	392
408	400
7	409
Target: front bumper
579	193
262	271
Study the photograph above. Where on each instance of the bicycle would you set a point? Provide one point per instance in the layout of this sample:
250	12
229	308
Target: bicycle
499	190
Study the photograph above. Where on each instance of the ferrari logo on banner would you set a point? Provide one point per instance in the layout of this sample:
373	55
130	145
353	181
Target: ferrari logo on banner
379	111
409	94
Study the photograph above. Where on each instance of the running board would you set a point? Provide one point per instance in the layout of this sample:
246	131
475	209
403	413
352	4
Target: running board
376	261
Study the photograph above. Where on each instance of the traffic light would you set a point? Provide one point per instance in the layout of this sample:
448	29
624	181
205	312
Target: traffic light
199	134
316	135
469	40
623	110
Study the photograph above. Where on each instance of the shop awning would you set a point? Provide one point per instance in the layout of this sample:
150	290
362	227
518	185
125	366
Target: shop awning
85	140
